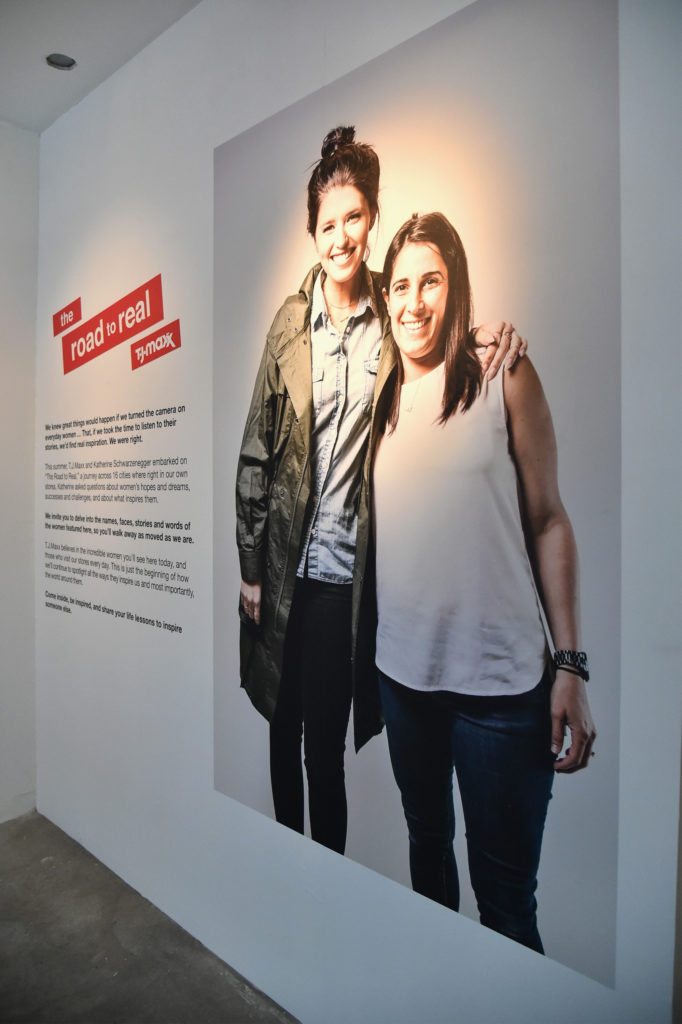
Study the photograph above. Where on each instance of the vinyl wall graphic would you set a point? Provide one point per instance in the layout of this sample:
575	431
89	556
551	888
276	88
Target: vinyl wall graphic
513	135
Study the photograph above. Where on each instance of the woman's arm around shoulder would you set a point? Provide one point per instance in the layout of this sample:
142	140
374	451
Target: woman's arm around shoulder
500	342
552	548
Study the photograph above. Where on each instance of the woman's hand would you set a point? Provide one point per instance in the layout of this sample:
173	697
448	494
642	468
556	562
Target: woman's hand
250	596
570	710
500	340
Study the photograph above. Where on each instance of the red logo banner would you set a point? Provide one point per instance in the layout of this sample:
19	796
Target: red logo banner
133	313
160	343
66	317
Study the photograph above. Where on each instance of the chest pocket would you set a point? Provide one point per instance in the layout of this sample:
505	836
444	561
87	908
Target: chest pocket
371	367
318	386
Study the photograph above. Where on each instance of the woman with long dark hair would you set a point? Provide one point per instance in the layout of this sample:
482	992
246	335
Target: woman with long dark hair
472	539
301	517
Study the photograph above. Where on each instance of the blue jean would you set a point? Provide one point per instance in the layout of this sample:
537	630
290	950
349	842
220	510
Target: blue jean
500	749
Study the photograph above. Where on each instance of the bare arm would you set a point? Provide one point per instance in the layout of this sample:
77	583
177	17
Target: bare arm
553	551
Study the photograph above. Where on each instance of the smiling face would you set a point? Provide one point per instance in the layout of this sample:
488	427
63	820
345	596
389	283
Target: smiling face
343	225
417	302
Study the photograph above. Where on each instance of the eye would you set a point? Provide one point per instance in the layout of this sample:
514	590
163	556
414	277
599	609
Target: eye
327	228
399	287
431	281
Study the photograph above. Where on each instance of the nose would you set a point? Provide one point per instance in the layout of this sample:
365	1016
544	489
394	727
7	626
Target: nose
340	236
415	302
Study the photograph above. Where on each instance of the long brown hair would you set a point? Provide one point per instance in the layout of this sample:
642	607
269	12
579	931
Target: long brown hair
463	374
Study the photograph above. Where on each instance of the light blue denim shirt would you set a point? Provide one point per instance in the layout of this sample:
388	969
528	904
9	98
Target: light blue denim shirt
344	373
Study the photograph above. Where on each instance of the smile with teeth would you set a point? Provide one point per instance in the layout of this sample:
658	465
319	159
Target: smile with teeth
342	257
415	325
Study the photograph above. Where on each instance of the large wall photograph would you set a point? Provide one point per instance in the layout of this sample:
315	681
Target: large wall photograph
513	137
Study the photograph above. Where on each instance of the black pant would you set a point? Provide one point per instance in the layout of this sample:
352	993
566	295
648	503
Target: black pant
314	704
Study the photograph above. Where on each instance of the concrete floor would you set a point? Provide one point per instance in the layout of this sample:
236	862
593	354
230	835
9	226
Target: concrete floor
79	946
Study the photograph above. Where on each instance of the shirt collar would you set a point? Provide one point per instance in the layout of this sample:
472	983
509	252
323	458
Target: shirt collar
318	310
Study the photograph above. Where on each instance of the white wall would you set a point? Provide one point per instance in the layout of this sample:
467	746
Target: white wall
651	258
18	268
125	761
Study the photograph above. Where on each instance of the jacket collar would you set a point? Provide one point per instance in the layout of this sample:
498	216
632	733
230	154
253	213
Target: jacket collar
289	342
294	316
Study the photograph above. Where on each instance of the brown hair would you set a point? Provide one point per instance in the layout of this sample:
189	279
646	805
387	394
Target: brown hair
463	373
343	162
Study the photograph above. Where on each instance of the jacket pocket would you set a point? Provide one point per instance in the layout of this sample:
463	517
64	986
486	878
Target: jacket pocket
318	387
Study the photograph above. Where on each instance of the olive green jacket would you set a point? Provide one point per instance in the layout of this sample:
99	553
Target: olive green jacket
273	492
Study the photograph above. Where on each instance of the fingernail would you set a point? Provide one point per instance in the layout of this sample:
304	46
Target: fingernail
555	749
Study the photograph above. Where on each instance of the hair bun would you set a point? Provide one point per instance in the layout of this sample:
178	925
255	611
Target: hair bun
337	137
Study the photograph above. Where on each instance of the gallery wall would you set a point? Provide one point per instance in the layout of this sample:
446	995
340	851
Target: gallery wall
18	269
125	674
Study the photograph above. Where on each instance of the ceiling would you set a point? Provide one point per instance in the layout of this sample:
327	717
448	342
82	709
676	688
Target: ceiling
101	35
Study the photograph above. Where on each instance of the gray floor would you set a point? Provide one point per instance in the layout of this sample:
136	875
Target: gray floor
79	945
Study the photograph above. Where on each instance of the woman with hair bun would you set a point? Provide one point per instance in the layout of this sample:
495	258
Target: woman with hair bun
302	498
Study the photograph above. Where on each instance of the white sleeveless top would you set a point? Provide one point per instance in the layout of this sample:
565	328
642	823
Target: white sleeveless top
458	608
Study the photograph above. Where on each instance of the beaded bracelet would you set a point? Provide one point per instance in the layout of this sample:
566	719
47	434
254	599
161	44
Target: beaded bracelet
572	661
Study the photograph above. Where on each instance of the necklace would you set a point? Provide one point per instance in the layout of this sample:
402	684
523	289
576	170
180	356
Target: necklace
409	392
407	401
339	321
332	307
